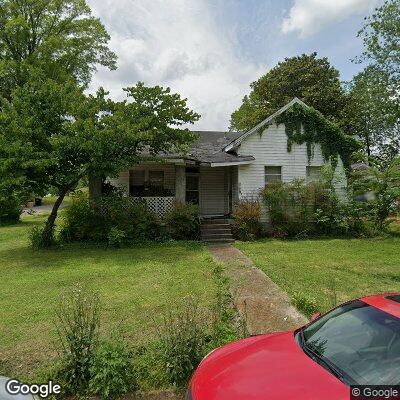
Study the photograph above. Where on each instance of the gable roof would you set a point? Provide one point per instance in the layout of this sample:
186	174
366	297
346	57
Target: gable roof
236	142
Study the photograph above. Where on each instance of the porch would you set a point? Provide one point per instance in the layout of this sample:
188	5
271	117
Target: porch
213	188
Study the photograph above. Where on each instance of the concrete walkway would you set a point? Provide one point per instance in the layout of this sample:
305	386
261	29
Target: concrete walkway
264	305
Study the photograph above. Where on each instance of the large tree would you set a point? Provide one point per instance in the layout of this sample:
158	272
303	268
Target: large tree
381	35
52	134
60	37
374	114
308	77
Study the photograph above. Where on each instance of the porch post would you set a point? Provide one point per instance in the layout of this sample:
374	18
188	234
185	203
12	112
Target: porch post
180	183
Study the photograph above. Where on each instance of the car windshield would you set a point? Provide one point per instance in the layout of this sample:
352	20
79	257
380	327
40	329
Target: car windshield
358	343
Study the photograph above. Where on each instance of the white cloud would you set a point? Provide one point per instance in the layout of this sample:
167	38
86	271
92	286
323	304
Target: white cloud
309	16
176	43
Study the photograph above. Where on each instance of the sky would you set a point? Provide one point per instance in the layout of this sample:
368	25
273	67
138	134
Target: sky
210	51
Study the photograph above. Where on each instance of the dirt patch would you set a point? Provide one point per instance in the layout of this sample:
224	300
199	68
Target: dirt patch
264	305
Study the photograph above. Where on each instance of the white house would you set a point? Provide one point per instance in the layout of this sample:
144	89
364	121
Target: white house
223	167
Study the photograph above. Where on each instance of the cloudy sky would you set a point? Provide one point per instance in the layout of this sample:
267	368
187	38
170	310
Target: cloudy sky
211	50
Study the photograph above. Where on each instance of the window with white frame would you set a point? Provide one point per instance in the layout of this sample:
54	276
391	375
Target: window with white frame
273	174
314	173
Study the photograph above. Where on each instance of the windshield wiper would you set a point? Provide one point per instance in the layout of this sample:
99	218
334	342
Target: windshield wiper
323	361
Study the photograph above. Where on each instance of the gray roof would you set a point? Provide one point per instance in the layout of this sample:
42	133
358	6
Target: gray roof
209	149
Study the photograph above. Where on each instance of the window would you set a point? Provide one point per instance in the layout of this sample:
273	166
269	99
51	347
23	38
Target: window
273	174
313	173
156	179
137	183
192	185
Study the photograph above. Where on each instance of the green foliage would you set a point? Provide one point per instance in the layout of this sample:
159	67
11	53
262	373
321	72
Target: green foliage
183	343
381	36
247	225
297	209
10	205
307	77
36	238
307	125
112	373
59	37
383	182
53	135
183	222
114	219
306	304
78	333
116	237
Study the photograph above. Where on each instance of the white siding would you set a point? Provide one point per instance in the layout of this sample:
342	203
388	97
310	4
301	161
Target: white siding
270	149
213	191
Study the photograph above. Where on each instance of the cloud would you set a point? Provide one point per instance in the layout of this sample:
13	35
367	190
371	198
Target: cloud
176	43
310	16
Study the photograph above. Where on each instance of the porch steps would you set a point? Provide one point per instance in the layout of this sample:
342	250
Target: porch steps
216	231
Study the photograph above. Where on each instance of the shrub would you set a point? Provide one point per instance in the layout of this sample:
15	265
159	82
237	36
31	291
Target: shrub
183	222
78	332
114	219
306	304
112	371
182	344
247	225
116	237
10	206
36	238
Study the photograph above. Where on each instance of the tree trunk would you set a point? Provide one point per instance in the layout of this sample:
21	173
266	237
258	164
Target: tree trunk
47	234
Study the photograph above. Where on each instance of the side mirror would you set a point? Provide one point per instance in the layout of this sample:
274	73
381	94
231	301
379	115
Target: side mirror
315	316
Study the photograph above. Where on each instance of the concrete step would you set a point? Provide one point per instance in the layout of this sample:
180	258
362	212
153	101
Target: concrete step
214	221
221	231
217	241
217	236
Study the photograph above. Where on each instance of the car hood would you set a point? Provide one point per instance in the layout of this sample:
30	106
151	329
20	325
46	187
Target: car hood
264	368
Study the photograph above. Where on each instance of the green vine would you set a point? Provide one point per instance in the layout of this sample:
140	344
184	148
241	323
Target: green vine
307	125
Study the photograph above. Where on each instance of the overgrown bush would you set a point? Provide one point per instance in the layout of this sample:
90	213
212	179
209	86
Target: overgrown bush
114	219
182	340
78	333
36	239
111	371
299	209
247	215
183	222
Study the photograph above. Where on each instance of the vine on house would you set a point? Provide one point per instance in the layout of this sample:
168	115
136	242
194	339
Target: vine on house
307	125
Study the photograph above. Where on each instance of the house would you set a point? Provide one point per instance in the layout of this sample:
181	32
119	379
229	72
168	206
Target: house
223	167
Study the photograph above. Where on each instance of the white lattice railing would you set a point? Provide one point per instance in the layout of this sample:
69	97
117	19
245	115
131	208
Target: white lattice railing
159	205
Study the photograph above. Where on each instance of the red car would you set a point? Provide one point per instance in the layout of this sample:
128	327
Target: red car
356	343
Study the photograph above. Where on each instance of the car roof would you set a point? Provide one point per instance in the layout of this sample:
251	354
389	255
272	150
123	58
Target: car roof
387	302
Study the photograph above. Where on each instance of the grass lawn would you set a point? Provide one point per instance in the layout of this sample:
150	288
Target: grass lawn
135	286
355	267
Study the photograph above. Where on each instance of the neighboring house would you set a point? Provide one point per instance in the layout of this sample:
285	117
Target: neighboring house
223	167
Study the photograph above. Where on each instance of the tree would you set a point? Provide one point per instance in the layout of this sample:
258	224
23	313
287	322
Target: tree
381	36
374	117
59	37
53	134
383	180
310	78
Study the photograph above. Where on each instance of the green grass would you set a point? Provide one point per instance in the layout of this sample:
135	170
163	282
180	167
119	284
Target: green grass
135	285
311	268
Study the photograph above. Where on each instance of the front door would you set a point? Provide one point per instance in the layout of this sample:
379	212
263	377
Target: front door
213	191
